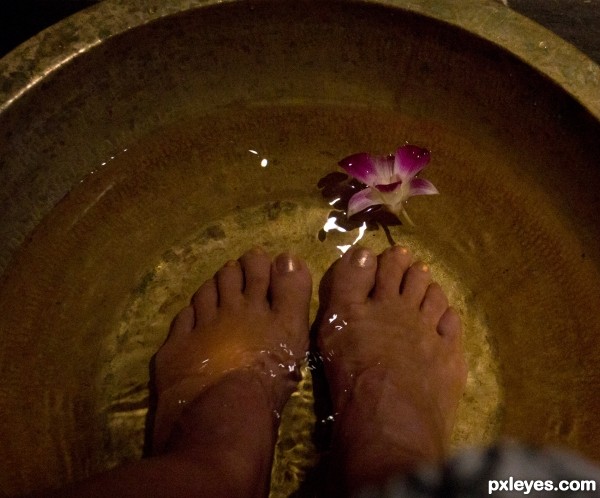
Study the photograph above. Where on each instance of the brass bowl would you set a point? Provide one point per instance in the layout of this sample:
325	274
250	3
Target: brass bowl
134	143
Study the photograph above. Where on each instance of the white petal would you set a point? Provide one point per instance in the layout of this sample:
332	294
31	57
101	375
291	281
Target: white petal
362	200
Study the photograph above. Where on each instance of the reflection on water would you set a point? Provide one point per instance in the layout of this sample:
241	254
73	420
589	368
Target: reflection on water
264	162
337	189
331	224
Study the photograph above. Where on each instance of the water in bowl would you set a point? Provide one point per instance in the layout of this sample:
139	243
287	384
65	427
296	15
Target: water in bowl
91	295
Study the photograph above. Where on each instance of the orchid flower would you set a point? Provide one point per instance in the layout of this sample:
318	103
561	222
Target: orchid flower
390	180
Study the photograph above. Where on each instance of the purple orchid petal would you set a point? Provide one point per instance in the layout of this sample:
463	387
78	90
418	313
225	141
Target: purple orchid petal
385	169
361	167
410	159
420	186
390	187
362	200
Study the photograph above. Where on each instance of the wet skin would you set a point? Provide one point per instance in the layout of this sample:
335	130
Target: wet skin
393	360
230	364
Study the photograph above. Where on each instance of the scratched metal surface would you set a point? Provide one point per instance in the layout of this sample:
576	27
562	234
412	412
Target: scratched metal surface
577	21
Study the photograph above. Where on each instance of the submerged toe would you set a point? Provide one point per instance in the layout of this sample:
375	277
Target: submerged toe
391	266
435	303
291	285
256	265
352	277
230	283
415	283
205	301
450	325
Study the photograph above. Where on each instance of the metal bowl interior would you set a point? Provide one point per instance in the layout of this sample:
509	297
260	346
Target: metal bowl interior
133	167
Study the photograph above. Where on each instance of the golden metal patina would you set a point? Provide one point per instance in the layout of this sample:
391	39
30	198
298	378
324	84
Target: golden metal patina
141	145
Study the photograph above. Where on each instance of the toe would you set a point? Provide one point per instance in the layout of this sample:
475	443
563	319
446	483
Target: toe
182	324
415	283
230	282
391	266
205	301
256	264
435	304
291	287
449	325
352	277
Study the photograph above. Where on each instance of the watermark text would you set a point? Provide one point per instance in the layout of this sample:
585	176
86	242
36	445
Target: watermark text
527	486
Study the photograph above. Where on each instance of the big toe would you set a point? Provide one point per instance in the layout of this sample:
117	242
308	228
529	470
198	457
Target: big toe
291	287
351	278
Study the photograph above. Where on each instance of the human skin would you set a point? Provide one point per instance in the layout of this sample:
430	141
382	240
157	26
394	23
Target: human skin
395	369
394	362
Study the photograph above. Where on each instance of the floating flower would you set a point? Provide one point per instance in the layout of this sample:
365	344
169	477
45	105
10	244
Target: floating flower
390	180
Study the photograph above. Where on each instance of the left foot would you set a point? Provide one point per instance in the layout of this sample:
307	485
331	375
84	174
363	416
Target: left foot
245	330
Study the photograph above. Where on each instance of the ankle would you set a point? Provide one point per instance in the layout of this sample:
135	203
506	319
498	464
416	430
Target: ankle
221	413
229	430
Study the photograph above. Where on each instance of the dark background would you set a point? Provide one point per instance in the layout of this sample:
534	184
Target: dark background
22	19
577	21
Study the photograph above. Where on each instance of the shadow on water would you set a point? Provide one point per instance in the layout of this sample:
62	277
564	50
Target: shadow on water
337	189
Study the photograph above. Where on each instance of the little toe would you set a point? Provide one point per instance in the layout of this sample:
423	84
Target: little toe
230	282
182	324
435	304
450	325
391	266
256	264
352	277
416	280
205	301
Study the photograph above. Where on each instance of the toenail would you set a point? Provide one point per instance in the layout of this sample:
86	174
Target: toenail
257	250
287	263
362	258
402	249
424	268
231	263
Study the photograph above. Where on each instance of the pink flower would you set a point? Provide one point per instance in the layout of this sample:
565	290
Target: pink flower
390	180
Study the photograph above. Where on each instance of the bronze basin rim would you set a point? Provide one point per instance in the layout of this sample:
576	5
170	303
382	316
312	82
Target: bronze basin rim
538	47
565	420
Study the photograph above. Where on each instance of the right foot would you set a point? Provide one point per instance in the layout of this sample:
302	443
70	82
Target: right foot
394	362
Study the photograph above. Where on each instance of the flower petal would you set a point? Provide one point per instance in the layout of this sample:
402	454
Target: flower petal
362	200
361	167
385	169
390	187
410	159
420	186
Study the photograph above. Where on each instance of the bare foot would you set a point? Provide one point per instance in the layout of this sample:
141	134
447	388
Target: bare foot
394	362
230	361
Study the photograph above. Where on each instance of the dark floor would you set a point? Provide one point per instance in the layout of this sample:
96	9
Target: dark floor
22	19
577	21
